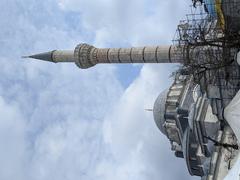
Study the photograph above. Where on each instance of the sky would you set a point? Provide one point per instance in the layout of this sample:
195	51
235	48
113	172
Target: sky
61	122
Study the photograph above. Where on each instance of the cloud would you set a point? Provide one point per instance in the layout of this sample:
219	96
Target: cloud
128	22
138	147
59	122
50	114
12	141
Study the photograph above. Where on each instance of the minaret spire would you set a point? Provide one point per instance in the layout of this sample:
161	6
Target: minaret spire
86	56
47	56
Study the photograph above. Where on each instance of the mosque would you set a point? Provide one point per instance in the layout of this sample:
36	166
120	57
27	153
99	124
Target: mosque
200	112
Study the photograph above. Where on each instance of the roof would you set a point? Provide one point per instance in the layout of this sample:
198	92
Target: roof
159	111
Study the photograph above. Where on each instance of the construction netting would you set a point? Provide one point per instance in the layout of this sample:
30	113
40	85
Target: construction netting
227	13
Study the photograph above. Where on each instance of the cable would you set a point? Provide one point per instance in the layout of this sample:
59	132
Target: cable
225	145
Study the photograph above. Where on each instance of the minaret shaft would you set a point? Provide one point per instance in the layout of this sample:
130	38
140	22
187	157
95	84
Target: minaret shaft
86	56
158	54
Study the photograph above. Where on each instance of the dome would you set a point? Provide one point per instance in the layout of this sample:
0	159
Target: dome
159	111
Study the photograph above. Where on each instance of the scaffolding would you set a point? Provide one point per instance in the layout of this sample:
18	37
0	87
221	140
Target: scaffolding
209	39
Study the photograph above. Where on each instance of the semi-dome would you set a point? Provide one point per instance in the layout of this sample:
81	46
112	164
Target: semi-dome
159	111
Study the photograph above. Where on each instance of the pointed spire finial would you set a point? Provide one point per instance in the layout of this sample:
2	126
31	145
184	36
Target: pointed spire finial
47	56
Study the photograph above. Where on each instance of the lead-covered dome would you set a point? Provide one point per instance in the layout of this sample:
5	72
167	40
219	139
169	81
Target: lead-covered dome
159	111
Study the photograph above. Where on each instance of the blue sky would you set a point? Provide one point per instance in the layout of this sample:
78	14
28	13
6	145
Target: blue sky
60	122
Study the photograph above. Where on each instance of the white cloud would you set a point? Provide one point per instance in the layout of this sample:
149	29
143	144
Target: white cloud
50	114
58	122
12	141
139	149
129	22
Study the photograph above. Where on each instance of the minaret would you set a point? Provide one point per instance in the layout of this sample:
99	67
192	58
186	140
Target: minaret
86	56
